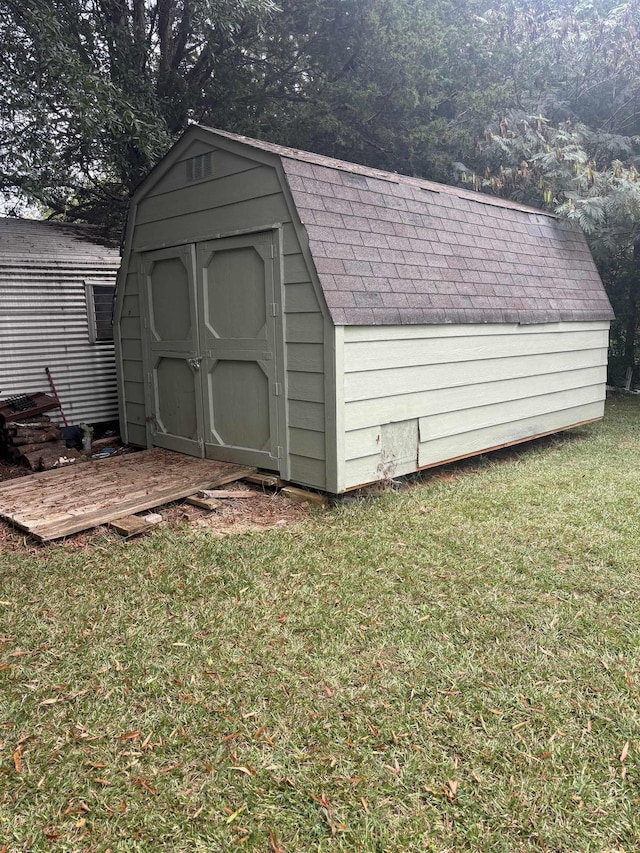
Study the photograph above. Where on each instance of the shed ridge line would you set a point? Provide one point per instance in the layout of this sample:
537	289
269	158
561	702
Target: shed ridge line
397	178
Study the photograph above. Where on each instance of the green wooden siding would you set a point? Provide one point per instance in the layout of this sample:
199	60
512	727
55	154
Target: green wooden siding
240	195
194	199
129	342
306	380
224	163
216	221
461	390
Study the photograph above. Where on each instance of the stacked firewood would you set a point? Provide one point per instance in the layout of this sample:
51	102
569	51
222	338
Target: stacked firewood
36	442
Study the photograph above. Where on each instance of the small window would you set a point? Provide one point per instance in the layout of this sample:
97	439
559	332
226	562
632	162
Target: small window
199	167
100	311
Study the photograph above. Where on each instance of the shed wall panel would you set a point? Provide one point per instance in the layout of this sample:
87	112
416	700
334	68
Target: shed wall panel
468	347
470	388
308	472
399	333
455	446
369	385
224	163
296	271
212	222
306	442
299	296
507	411
305	328
466	398
306	415
241	195
199	197
306	386
131	366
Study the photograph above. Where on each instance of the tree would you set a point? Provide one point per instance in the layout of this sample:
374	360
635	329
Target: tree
373	81
96	90
569	137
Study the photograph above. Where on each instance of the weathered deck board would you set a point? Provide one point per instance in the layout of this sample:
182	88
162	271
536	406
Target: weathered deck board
57	503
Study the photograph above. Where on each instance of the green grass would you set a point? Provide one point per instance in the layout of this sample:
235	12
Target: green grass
451	667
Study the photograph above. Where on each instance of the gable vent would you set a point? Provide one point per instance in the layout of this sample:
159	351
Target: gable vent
199	167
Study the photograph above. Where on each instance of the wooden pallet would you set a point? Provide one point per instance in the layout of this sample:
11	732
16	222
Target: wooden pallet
84	495
33	404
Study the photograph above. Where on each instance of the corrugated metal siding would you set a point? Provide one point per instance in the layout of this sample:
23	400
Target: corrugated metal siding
422	395
44	322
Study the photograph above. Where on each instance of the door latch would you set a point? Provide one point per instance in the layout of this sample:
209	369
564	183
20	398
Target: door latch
194	363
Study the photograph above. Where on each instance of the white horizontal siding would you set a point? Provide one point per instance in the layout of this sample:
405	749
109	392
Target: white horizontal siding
448	349
371	334
454	446
468	388
465	398
496	412
371	384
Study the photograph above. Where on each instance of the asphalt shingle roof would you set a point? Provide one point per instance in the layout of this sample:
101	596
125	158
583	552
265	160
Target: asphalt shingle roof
25	242
392	249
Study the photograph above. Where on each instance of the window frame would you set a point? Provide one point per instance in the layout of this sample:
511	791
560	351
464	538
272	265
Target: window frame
98	333
199	167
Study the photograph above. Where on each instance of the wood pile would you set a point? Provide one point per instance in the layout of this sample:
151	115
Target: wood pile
36	442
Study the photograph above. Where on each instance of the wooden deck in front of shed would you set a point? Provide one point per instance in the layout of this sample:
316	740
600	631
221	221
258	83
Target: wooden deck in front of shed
63	501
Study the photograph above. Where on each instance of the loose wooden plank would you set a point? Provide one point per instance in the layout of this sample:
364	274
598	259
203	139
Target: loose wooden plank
216	494
203	503
132	525
303	496
66	526
64	501
267	480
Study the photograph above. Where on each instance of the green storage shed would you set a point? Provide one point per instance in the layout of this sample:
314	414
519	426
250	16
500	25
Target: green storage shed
341	325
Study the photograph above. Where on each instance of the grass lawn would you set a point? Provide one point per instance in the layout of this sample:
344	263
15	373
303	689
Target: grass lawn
451	667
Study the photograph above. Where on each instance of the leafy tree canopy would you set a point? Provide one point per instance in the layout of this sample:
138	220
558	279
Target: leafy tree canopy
96	90
568	137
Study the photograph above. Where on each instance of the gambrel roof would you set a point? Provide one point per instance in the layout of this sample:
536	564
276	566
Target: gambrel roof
392	249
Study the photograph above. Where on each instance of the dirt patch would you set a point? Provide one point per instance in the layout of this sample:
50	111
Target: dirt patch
269	509
11	470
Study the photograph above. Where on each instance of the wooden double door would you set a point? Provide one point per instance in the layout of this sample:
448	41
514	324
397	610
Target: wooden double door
213	353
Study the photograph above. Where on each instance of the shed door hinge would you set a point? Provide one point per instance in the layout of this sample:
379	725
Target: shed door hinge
277	388
277	453
275	309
